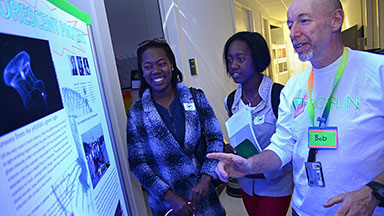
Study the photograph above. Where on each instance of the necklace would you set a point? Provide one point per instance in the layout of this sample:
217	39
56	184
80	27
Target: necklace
250	101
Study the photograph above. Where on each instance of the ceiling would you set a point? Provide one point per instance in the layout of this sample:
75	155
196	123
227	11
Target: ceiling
277	9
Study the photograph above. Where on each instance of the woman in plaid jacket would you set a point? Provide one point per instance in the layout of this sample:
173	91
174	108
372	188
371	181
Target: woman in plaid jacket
163	131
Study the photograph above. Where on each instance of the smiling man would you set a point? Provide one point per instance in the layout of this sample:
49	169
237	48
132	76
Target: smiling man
337	152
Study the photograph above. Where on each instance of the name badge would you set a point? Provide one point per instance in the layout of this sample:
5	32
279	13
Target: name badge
258	120
314	174
322	138
189	106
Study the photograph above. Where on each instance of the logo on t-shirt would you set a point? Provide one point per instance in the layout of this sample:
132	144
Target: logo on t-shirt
299	104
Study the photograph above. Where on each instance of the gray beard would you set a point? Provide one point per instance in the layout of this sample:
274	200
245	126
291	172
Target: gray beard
306	56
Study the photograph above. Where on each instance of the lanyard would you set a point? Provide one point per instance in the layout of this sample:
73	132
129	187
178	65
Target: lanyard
311	108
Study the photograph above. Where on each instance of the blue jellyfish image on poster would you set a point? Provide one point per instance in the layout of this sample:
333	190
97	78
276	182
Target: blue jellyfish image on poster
28	84
19	75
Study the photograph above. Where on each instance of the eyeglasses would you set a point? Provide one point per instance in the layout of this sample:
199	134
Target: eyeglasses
157	40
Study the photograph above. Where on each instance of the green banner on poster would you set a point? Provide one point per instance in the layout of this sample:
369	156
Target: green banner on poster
71	9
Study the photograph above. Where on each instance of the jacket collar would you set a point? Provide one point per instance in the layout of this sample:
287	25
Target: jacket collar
192	132
264	92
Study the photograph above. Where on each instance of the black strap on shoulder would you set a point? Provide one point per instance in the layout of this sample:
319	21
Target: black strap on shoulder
193	92
275	97
202	131
230	99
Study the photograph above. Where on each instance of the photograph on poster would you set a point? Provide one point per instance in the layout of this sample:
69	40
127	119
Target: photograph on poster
28	83
79	68
96	153
72	65
86	66
80	65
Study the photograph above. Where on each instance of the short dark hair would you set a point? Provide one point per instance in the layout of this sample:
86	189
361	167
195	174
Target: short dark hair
259	49
176	73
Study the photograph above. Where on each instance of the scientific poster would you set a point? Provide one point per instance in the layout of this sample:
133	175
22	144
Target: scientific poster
56	153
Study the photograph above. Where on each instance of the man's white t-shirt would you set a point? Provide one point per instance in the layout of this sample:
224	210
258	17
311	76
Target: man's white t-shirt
357	110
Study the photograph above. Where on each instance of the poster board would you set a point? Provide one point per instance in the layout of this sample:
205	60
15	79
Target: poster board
56	150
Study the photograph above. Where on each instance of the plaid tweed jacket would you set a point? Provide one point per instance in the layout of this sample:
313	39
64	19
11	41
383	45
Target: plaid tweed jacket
160	163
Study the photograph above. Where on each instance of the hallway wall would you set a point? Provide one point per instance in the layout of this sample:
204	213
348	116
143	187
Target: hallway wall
197	31
352	11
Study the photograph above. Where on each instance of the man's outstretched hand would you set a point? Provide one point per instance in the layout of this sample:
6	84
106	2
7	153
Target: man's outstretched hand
230	165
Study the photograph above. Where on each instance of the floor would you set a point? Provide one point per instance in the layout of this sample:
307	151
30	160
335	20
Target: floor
234	206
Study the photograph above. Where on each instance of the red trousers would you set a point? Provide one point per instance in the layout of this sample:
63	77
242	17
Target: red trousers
266	206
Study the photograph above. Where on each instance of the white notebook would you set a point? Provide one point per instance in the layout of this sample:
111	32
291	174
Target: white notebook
241	135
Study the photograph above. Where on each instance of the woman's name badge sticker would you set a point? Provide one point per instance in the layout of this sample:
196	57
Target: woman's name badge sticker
189	106
259	120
